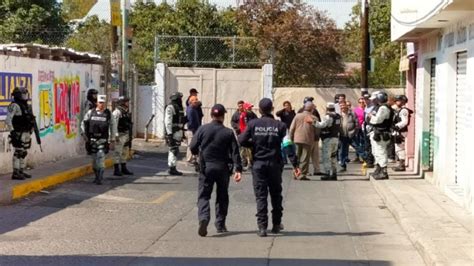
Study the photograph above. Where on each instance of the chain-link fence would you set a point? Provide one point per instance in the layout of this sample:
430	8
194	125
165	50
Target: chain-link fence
209	51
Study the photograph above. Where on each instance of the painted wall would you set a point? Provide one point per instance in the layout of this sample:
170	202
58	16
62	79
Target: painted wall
58	91
321	95
454	38
224	86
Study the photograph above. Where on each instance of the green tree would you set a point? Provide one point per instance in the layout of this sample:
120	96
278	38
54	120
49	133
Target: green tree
385	53
92	35
27	21
300	41
186	17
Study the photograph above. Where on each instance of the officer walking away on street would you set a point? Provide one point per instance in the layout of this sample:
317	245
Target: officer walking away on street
265	136
330	131
20	122
381	119
400	128
174	123
219	157
122	133
96	126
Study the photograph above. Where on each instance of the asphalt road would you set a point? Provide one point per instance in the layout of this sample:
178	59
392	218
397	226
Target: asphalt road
151	219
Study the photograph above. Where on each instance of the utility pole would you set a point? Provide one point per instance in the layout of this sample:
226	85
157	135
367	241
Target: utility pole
364	23
125	58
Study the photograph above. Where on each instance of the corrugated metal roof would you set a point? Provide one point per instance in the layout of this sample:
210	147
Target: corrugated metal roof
55	53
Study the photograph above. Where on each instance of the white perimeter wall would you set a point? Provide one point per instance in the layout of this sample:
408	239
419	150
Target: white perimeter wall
58	91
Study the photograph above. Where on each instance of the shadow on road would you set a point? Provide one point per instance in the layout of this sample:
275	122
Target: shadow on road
130	260
299	233
38	206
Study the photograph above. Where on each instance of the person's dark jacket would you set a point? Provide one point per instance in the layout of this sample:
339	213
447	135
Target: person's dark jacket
216	144
265	136
194	118
286	117
234	122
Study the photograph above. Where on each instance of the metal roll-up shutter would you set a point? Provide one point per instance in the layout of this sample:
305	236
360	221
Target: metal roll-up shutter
462	155
432	111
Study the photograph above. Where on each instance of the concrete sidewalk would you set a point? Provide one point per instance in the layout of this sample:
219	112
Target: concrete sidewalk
45	176
439	228
55	173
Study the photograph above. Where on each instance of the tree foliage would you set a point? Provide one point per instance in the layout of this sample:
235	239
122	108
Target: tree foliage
186	18
92	35
26	21
385	52
299	40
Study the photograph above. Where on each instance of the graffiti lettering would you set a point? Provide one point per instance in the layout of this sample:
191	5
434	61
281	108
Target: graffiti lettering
8	82
67	104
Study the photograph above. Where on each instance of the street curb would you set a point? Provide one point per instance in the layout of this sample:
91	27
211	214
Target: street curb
22	190
423	244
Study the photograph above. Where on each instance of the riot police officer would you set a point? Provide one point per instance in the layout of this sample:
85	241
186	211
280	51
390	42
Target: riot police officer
96	126
174	123
381	119
122	133
91	97
20	122
330	130
401	121
219	158
264	136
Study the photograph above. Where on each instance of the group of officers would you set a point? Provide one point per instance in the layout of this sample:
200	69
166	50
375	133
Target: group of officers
218	149
101	129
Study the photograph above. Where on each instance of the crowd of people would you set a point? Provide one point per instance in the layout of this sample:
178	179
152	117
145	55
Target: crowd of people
375	128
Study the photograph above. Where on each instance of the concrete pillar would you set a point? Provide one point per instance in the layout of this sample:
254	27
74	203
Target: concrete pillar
267	82
159	100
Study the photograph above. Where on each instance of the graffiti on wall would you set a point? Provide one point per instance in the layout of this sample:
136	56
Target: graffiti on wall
8	82
59	104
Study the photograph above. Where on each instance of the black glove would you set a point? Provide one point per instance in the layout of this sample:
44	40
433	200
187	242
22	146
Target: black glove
169	140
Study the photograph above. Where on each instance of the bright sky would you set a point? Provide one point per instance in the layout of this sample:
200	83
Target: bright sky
338	10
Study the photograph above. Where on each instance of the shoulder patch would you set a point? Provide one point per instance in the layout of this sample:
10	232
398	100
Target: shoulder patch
11	107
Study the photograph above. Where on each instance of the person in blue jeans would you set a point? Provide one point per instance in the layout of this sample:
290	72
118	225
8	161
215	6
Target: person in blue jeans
349	128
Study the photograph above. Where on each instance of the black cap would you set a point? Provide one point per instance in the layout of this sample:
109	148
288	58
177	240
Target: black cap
193	90
218	110
265	105
308	99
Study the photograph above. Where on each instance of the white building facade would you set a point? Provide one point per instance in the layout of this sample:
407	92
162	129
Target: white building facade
441	84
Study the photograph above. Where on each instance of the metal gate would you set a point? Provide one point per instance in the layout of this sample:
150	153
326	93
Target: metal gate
462	158
432	112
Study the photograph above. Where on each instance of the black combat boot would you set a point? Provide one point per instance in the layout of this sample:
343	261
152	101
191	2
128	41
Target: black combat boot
376	173
326	176
173	171
117	171
202	231
25	174
125	171
277	228
400	167
383	174
262	232
17	175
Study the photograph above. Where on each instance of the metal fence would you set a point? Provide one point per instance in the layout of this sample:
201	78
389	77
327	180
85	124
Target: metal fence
209	51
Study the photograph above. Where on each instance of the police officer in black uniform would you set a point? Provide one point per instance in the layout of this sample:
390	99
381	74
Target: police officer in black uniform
20	122
174	122
219	158
264	136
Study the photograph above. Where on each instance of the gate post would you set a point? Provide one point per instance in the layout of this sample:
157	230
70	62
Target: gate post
159	100
267	82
